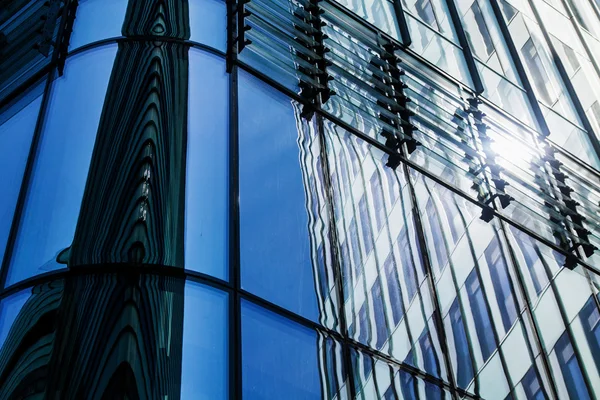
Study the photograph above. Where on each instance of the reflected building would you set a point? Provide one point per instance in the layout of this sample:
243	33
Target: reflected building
304	199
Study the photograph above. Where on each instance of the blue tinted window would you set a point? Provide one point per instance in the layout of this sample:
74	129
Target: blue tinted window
207	172
346	268
97	20
364	325
532	259
532	387
501	282
430	361
365	225
407	265
208	22
9	311
323	281
355	245
570	369
379	314
590	319
333	385
62	162
408	384
204	365
393	286
274	236
279	357
438	237
15	141
375	185
483	323
464	366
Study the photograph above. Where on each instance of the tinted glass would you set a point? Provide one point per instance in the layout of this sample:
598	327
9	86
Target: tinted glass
205	339
274	237
96	20
279	357
15	141
61	165
208	22
207	166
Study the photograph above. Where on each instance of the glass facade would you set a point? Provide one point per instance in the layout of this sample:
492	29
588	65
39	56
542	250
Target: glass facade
301	199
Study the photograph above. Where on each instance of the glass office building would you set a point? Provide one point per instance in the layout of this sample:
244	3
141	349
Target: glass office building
300	199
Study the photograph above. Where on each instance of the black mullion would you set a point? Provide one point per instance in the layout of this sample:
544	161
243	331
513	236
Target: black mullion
402	24
235	342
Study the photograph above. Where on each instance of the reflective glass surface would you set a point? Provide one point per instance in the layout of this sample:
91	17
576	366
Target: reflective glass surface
16	131
207	166
275	248
279	357
205	343
61	165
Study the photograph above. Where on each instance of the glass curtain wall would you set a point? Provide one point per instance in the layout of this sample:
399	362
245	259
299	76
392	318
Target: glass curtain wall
337	199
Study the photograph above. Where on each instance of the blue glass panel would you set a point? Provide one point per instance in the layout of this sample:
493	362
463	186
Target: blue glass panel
379	314
62	163
571	371
274	237
208	22
393	285
464	366
502	284
365	226
408	267
205	343
96	20
206	228
15	140
430	360
483	323
532	387
438	236
279	357
590	319
9	310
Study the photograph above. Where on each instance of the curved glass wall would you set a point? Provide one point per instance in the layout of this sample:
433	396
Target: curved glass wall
288	222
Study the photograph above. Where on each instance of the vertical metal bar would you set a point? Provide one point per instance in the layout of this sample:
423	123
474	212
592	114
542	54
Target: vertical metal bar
402	24
235	318
464	43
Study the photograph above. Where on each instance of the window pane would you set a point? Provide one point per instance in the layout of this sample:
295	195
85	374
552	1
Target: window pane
279	357
206	229
464	366
97	20
483	323
274	223
204	366
502	285
208	22
16	133
63	157
570	369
